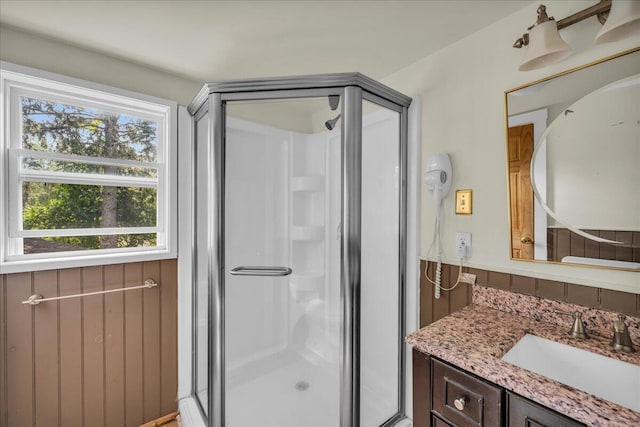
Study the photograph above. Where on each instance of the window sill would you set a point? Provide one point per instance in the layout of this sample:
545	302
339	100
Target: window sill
21	266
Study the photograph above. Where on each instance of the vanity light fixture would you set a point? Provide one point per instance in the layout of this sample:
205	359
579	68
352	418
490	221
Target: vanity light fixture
544	46
623	21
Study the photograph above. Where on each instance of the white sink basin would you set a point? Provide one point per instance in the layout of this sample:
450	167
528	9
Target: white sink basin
610	379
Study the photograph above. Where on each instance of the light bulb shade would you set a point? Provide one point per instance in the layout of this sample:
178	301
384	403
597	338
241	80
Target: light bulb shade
623	20
545	47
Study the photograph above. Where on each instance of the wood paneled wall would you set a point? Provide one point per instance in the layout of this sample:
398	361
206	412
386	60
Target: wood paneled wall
432	309
563	242
104	360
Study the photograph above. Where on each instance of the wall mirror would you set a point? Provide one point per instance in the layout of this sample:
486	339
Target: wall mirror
573	161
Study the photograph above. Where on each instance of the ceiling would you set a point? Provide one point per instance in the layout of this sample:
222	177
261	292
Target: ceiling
216	40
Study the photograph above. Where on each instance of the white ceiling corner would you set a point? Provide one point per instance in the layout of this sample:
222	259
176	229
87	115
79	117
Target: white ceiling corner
216	40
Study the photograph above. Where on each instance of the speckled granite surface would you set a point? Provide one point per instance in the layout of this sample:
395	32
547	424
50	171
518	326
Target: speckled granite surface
597	322
476	337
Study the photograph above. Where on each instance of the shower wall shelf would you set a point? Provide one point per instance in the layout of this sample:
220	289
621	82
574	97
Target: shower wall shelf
309	216
307	183
307	232
307	281
306	286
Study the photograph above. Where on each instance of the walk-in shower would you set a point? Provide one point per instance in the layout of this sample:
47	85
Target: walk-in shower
299	252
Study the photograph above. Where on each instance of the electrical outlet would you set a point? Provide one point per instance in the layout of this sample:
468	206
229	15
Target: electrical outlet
463	245
468	278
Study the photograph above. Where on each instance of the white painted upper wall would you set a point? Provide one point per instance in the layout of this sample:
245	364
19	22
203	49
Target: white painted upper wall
50	55
463	113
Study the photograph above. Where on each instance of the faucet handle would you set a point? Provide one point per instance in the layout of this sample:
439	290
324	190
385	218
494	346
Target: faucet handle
619	325
577	329
621	338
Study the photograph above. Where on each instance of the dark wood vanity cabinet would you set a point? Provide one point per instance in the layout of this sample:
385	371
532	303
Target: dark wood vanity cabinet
422	390
447	396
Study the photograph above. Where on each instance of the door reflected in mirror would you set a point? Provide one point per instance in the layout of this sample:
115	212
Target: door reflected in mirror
573	153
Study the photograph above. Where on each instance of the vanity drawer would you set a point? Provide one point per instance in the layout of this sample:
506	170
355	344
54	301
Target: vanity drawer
464	400
524	413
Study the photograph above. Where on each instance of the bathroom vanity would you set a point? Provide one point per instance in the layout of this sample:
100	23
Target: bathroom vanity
460	378
446	396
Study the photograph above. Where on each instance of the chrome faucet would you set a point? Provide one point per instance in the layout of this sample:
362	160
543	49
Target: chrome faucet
621	340
577	329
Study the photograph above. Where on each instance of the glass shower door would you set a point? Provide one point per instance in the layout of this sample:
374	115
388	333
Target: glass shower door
380	329
281	280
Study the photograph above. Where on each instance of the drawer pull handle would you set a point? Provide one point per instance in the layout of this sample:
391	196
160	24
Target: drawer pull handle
459	403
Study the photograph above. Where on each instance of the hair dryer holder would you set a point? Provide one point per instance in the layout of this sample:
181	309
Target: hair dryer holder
437	177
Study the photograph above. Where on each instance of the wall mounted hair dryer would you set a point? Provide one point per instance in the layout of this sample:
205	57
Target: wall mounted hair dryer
437	177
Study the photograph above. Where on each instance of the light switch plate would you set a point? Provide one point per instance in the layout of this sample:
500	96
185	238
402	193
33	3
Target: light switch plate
463	202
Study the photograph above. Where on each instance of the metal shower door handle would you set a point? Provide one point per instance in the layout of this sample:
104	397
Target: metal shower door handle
260	271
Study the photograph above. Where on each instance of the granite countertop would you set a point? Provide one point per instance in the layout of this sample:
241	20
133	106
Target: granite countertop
476	337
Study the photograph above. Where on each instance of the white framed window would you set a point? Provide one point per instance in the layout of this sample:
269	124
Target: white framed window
87	173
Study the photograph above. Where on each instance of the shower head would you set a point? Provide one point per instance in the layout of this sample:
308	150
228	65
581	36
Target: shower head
330	124
334	100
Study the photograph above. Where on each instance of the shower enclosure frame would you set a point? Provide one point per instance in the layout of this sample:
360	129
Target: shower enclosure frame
354	88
